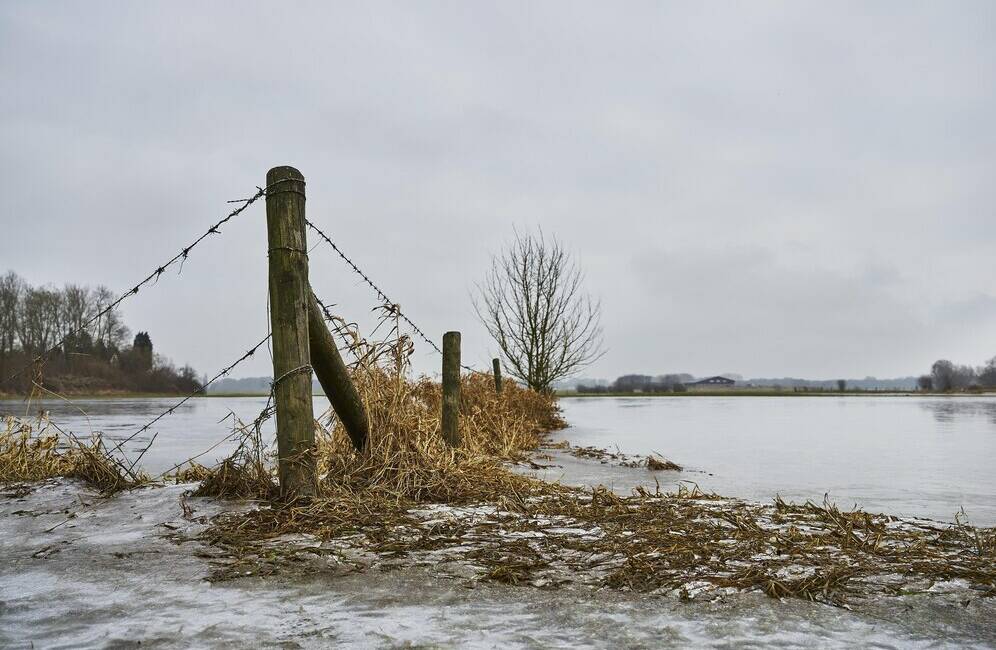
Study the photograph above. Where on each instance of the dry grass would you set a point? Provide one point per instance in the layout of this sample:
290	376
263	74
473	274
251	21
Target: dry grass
33	452
406	456
406	462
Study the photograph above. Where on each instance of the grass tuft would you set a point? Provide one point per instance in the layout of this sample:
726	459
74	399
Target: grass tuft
30	452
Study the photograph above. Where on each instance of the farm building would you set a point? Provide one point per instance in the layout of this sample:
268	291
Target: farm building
714	381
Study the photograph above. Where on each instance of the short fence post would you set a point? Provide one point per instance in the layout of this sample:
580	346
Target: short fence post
496	364
289	294
334	378
451	388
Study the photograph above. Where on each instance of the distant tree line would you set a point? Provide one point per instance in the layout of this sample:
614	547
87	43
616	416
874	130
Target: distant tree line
680	382
94	356
674	383
947	376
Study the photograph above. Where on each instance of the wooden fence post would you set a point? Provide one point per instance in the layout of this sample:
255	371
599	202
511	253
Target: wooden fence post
289	294
496	364
334	377
451	388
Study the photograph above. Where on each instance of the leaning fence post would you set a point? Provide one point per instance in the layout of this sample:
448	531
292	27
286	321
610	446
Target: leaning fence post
289	294
451	388
334	377
496	364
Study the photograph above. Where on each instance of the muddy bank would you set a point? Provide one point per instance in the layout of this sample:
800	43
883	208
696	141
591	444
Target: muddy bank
82	571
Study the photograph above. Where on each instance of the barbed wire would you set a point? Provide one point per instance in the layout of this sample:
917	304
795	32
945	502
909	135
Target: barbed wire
388	303
179	257
201	389
380	293
239	431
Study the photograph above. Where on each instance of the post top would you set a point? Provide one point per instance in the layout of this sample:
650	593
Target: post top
282	173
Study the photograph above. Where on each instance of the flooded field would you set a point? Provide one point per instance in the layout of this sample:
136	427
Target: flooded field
79	570
915	456
905	455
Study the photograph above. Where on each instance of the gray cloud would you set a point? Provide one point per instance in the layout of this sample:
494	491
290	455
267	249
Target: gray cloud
779	188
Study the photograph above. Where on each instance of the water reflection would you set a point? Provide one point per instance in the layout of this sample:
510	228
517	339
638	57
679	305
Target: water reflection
950	410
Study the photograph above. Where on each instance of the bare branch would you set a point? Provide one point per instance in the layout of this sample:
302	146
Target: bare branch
533	304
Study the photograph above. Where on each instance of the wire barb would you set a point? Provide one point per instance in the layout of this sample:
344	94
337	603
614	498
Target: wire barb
380	294
389	304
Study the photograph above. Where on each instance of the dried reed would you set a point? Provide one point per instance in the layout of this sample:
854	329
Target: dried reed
30	452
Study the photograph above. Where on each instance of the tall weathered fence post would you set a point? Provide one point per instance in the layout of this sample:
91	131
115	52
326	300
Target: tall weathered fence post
289	295
496	364
334	377
451	388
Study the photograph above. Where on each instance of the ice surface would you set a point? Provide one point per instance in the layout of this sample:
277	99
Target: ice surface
80	571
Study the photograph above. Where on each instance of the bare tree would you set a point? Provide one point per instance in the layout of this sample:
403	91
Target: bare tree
533	304
948	376
38	318
109	329
78	307
11	291
987	374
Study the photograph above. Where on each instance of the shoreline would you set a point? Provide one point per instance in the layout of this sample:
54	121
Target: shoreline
88	396
124	395
13	397
745	392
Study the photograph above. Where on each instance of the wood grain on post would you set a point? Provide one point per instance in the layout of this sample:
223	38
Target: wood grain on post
289	294
451	388
334	377
496	364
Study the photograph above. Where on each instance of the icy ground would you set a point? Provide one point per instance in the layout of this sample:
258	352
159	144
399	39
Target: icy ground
81	571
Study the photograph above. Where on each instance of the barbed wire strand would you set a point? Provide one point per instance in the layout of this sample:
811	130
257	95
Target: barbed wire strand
154	276
202	389
237	432
380	293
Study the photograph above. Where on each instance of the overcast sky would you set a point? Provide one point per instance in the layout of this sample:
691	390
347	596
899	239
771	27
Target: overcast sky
763	188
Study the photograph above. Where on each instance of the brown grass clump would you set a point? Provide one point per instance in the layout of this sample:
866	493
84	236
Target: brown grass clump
653	462
406	463
28	454
656	464
406	456
245	474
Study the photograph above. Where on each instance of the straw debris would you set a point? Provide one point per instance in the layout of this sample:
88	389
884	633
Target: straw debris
32	451
654	463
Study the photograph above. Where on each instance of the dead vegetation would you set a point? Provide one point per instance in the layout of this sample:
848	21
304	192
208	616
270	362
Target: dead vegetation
33	451
516	530
654	463
410	499
658	464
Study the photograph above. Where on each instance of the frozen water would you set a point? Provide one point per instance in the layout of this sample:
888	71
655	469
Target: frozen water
80	571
